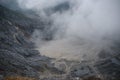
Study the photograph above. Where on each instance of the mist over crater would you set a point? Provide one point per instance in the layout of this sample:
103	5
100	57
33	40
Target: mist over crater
75	28
82	28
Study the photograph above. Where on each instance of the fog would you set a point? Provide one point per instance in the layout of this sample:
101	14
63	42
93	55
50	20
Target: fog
83	27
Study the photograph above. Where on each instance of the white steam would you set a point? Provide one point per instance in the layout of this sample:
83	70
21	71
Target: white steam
84	29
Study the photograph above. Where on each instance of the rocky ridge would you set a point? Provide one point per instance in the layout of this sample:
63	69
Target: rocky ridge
17	53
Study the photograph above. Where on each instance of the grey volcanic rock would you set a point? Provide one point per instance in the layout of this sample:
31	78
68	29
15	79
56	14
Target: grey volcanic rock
109	68
17	53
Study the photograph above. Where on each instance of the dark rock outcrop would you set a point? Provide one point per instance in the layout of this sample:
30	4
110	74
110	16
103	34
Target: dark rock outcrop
17	53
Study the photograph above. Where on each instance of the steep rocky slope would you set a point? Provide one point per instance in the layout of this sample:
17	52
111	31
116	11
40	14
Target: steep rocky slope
17	53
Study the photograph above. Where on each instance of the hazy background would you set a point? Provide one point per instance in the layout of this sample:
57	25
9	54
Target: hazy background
81	28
